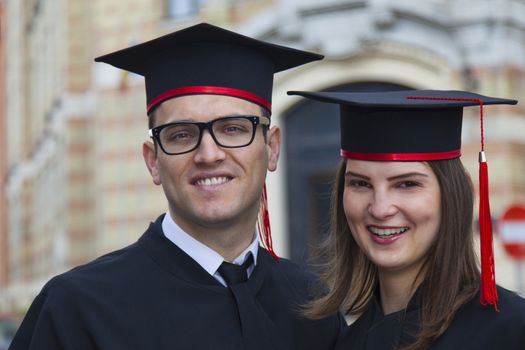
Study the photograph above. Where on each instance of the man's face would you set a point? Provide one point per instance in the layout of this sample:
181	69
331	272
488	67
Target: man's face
212	187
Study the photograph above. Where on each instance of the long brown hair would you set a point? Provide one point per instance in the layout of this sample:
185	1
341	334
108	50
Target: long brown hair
451	274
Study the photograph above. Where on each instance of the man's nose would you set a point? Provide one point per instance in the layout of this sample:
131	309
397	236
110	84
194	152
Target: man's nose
208	150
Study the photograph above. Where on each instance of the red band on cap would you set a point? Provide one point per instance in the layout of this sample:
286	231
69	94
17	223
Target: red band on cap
213	90
401	156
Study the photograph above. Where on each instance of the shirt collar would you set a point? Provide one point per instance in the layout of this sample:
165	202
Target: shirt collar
206	257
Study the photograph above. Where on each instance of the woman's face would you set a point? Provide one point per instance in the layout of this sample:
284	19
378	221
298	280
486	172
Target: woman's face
393	211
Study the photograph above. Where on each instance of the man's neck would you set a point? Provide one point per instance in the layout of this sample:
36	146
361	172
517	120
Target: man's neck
228	244
229	240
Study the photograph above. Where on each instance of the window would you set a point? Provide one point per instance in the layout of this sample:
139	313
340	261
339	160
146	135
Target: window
176	9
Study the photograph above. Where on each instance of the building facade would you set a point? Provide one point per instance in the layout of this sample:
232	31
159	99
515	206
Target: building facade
3	148
35	143
75	183
375	45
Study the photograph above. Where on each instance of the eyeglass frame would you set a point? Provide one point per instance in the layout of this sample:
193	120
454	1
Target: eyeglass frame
154	133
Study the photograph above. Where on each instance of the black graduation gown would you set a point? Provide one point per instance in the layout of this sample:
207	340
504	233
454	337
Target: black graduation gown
151	295
475	327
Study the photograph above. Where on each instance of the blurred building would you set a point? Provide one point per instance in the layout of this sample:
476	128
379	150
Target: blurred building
74	183
477	45
3	148
34	48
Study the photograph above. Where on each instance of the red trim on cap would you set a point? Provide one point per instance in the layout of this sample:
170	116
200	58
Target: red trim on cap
214	90
401	156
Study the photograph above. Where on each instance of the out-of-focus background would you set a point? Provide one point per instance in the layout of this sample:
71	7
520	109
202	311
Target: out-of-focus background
73	184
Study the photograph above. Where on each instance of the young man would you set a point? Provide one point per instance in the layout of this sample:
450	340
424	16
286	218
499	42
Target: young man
197	278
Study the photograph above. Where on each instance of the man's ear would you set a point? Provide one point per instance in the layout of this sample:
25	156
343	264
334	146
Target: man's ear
149	152
274	147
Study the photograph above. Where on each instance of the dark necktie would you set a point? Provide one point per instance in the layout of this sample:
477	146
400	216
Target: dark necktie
235	274
257	330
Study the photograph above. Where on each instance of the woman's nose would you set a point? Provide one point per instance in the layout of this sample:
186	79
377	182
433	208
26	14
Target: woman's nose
382	205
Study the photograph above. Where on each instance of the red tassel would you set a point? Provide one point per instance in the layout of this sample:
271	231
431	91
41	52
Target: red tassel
488	291
265	231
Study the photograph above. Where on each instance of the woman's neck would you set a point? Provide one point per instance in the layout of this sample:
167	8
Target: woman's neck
396	289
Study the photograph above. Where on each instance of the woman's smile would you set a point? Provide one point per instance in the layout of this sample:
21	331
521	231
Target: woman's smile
393	211
386	235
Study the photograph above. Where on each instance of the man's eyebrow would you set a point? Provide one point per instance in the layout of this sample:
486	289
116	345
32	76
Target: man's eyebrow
230	115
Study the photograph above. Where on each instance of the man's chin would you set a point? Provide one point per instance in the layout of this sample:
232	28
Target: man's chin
215	215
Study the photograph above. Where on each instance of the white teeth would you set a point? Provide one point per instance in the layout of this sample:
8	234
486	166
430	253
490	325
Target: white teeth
387	231
212	181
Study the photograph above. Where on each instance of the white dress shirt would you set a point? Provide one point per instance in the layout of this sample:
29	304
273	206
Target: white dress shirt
206	257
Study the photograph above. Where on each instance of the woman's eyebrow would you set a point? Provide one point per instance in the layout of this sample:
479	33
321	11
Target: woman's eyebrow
391	178
405	175
351	173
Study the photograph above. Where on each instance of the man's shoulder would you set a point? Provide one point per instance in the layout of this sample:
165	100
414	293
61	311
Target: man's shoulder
110	270
104	268
288	273
285	267
112	264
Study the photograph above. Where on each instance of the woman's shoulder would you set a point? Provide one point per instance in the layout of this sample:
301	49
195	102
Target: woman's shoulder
485	327
511	306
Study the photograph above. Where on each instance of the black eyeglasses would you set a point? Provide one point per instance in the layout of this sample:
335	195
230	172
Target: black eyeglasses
228	132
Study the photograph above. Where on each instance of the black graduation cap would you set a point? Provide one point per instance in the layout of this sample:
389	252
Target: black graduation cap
417	125
402	125
205	59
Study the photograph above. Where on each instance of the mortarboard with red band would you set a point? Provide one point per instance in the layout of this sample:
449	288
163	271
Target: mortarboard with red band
206	59
416	125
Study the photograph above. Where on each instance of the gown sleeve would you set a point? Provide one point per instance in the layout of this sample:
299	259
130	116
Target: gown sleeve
23	336
51	323
40	328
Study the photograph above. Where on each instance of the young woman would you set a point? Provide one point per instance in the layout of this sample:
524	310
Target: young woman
400	252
